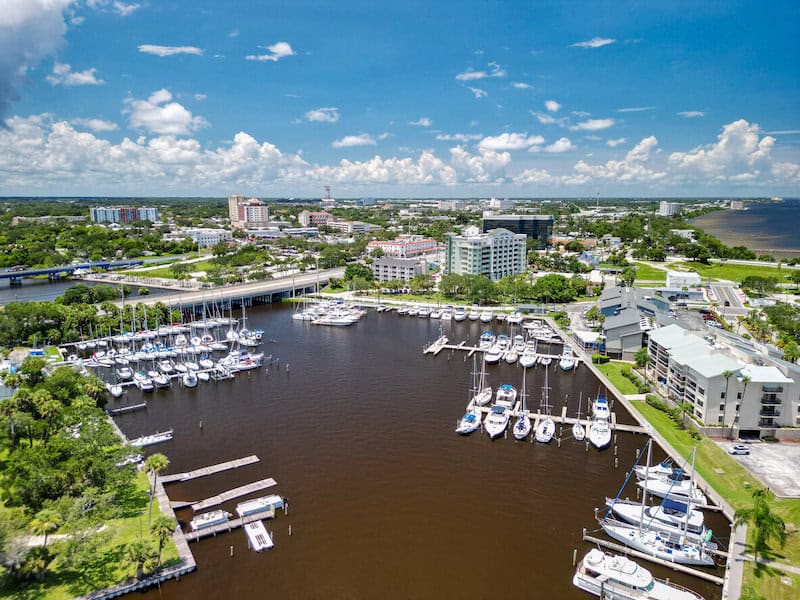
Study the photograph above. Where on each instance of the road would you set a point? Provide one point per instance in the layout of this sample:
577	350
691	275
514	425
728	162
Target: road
727	293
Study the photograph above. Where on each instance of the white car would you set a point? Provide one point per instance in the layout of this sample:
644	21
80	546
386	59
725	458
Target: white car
739	449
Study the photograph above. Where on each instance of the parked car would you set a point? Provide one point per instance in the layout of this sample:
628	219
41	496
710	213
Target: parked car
739	449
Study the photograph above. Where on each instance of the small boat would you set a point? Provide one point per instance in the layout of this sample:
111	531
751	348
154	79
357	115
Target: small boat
469	422
506	395
578	431
547	427
209	519
116	390
514	318
161	380
496	421
567	362
447	315
512	356
608	576
600	429
436	314
166	367
180	368
203	376
189	379
528	357
459	314
124	373
483	392
149	440
522	427
546	360
473	315
493	355
259	505
486	340
666	487
206	363
486	316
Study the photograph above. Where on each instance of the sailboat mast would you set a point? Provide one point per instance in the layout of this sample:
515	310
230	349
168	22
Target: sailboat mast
646	479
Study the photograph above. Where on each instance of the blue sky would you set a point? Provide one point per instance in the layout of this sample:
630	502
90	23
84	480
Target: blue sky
408	99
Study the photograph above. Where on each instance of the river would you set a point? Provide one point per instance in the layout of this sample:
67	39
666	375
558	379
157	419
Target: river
43	289
356	425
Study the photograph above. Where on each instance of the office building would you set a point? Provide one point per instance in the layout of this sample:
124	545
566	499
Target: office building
388	268
495	254
208	238
536	227
405	246
314	218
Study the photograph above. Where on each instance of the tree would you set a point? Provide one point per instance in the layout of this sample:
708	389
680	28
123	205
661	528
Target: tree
420	283
642	356
138	553
791	351
574	246
44	523
357	270
155	465
628	275
593	313
553	288
727	374
766	524
162	528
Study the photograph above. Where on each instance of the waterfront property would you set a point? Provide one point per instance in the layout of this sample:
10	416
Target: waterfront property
494	254
538	228
388	268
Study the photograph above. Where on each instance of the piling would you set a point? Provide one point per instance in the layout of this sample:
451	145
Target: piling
574	556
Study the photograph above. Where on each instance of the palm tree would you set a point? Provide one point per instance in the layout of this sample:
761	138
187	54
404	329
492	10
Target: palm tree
791	351
766	524
137	553
745	379
44	523
162	528
154	466
727	374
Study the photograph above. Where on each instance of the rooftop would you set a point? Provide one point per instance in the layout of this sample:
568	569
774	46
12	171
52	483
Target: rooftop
764	374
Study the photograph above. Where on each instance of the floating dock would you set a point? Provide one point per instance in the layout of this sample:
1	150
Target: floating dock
258	537
226	526
443	344
234	493
126	409
204	471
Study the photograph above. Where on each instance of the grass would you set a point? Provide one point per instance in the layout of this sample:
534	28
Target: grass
613	370
730	484
166	272
647	273
108	565
732	272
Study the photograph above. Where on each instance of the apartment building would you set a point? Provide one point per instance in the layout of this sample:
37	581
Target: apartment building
245	213
405	246
123	214
494	254
388	268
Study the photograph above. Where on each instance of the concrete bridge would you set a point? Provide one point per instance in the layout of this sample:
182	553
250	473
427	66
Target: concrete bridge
15	277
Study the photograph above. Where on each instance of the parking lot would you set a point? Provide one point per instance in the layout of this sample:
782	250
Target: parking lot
775	464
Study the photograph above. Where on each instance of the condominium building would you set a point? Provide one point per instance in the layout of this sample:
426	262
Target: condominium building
388	268
537	227
207	238
405	246
353	226
668	209
245	213
123	214
314	218
495	254
726	383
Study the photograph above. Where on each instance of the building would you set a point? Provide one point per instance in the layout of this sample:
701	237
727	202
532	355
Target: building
536	227
737	205
726	382
501	204
629	314
687	234
495	254
123	214
405	246
245	213
314	219
388	268
208	238
681	279
353	226
668	209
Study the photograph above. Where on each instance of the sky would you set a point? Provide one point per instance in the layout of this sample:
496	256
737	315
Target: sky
402	99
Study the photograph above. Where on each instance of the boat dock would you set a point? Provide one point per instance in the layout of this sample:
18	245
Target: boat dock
659	561
234	493
126	409
443	344
258	537
203	472
227	526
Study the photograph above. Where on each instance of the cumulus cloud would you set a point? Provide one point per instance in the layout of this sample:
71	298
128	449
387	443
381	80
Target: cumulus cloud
593	125
421	122
552	105
486	166
614	143
348	141
540	176
641	151
691	114
595	42
510	141
64	75
494	71
169	50
631	169
158	114
95	124
560	145
328	114
478	92
276	51
520	85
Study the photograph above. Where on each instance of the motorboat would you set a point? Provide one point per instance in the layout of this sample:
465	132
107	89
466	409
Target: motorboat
180	367
514	318
578	432
518	344
486	316
486	340
671	516
546	360
166	367
493	355
567	362
206	363
600	428
496	421
149	440
189	379
423	312
528	357
143	382
203	376
501	317
115	390
447	314
522	427
512	356
402	310
124	373
618	577
474	314
506	395
161	380
436	314
209	519
459	314
259	505
191	365
469	422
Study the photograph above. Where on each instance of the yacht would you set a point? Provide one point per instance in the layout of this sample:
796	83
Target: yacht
460	313
671	517
668	487
474	315
469	422
496	421
506	395
209	519
663	469
567	362
522	427
620	578
600	429
673	548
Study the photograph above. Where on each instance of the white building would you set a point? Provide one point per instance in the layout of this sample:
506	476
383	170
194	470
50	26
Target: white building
494	254
755	399
207	238
247	213
353	226
388	268
501	204
314	218
681	279
669	209
405	246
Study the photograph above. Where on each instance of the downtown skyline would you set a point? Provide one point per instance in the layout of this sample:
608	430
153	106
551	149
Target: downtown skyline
520	99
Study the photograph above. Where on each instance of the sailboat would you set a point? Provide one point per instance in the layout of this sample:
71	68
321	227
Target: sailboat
547	427
472	418
528	356
600	429
578	432
483	392
523	425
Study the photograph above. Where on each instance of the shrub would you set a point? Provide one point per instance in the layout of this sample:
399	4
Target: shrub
599	359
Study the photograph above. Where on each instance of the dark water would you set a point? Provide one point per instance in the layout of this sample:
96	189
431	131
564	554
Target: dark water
765	227
43	289
385	500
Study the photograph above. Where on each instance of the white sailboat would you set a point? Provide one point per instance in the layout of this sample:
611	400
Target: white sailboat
523	425
600	429
671	516
547	427
578	431
528	357
483	392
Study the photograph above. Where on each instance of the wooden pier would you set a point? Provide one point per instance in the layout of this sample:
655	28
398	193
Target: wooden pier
228	525
234	493
204	471
659	561
126	409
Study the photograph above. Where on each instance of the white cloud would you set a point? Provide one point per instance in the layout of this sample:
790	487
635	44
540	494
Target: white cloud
593	138
121	8
478	92
595	42
277	51
486	166
422	122
64	75
561	145
545	119
784	132
95	124
348	141
615	143
510	141
200	97
494	71
552	105
384	135
234	33
622	171
77	21
581	114
159	115
691	114
641	151
540	176
169	50
458	137
635	109
328	114
520	85
593	125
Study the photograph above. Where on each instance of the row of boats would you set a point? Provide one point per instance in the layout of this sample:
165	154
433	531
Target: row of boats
455	313
264	506
517	349
334	313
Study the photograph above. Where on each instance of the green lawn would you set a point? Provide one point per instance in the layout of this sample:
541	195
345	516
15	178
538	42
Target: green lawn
166	272
647	273
108	566
613	370
730	483
733	272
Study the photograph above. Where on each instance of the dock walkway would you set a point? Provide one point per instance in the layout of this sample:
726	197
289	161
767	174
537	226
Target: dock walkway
258	537
234	493
210	470
228	525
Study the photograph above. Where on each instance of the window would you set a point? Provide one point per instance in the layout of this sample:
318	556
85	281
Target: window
722	408
739	396
736	408
719	419
722	395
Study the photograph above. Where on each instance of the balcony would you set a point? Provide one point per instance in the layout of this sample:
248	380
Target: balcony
769	412
766	423
772	389
771	400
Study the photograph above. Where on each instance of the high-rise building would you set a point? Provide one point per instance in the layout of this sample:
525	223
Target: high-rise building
233	206
668	209
245	213
495	254
123	214
536	227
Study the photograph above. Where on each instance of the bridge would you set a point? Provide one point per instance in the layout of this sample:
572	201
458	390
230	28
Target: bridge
260	292
15	277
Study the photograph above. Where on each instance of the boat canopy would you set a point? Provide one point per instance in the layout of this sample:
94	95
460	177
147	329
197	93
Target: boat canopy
507	386
673	506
